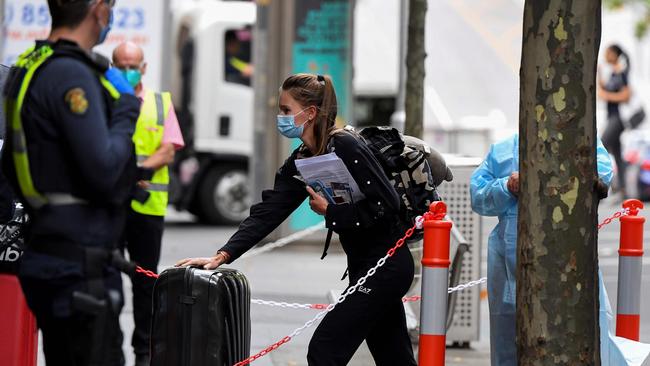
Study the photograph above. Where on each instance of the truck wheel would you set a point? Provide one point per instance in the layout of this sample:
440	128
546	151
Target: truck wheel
224	195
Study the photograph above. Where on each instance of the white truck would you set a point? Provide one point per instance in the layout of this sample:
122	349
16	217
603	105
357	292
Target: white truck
200	50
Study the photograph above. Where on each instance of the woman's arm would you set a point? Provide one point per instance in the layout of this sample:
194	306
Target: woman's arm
489	191
277	204
621	96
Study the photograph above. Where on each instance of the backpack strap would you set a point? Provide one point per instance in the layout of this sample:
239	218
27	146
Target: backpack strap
330	144
347	129
328	240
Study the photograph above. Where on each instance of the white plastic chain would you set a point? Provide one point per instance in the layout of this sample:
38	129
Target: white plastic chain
286	240
419	222
288	305
281	304
467	285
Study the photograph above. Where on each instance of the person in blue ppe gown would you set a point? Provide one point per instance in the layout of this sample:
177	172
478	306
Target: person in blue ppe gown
494	188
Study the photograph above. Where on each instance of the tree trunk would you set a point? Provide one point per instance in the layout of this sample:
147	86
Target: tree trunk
415	55
557	288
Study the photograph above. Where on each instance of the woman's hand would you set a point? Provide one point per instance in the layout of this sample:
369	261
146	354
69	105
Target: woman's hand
204	262
317	203
513	183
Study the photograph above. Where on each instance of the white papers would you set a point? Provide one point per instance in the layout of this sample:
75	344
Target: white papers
329	177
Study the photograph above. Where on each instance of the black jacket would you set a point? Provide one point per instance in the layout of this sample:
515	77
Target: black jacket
366	229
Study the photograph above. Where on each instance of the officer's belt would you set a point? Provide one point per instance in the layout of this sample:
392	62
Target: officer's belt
62	199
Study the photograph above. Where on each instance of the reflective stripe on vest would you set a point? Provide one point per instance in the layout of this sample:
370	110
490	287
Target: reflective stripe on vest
29	62
147	138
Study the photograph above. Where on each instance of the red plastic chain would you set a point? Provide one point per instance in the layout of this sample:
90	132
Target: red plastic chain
412	298
390	253
145	272
609	220
264	352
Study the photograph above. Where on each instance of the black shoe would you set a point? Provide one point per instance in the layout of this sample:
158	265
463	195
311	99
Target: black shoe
142	360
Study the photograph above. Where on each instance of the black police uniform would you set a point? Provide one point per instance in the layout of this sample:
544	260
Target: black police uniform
367	230
80	145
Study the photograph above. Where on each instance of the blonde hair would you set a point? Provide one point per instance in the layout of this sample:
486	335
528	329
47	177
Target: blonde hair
316	90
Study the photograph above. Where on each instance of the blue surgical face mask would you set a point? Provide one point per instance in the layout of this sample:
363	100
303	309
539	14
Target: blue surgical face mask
287	126
104	32
133	76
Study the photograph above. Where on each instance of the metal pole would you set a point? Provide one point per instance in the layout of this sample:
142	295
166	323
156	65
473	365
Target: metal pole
398	118
272	41
435	279
630	264
2	30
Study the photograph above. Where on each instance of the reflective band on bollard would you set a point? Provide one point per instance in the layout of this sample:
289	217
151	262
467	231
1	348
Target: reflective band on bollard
629	272
435	279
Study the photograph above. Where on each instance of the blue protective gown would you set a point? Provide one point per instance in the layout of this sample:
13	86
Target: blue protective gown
491	197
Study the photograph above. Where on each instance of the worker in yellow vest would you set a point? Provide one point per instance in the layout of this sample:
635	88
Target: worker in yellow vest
157	136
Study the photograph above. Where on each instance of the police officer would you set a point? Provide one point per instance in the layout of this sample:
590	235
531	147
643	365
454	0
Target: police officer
157	137
70	158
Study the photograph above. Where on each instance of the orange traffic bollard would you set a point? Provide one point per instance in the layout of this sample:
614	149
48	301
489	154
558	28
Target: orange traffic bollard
630	263
435	279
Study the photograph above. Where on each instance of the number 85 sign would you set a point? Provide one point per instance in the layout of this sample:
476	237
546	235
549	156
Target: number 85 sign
35	13
139	21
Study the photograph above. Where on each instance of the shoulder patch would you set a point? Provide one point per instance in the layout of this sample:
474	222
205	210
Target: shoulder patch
76	101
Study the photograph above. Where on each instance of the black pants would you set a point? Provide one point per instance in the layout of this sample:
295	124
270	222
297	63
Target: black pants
374	313
142	240
612	142
70	334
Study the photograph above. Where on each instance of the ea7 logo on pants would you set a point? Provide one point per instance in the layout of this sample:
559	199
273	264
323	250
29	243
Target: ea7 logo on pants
365	290
11	254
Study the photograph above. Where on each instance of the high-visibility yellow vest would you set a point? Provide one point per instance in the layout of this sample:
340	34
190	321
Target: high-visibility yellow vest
147	138
29	62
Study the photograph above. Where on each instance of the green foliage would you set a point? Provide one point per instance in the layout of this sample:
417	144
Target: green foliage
641	26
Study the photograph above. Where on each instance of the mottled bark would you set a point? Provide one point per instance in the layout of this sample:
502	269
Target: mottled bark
557	291
415	55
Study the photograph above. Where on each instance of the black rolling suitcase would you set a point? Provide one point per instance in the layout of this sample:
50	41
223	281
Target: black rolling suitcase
200	318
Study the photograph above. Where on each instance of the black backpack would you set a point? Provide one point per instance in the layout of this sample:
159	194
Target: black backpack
411	166
414	169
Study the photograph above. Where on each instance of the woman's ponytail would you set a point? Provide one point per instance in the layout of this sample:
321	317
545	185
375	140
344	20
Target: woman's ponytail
326	121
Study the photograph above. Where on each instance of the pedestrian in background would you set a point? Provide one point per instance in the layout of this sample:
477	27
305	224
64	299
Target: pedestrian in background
616	91
367	230
69	156
157	137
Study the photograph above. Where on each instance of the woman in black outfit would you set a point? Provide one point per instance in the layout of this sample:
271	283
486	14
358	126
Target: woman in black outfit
366	229
615	91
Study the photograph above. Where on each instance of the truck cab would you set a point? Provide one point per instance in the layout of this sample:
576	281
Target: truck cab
214	100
